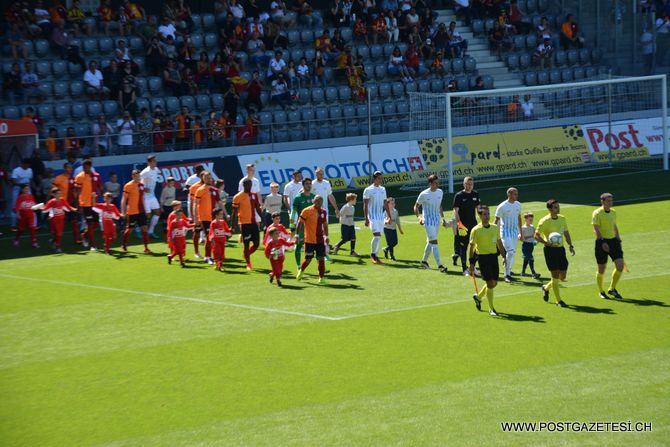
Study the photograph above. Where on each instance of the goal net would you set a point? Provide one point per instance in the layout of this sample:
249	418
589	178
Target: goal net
490	134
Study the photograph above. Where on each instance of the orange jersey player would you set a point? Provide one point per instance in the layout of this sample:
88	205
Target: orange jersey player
177	233
56	209
276	225
24	208
65	182
274	251
108	214
218	233
132	206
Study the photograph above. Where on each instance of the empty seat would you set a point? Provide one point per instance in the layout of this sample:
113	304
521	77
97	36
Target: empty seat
531	42
363	51
296	134
362	111
388	108
555	76
307	114
281	136
561	58
596	55
317	96
543	77
352	129
11	112
293	37
46	88
321	114
46	111
158	102
584	56
349	111
155	84
217	101
477	27
142	103
60	89
513	61
187	101
62	111
76	88
110	108
392	126
376	52
135	43
105	45
402	107
203	102
335	112
437	86
307	37
344	93
384	90
293	116
74	69
589	72
424	85
380	71
347	33
310	53
411	87
78	111
279	117
375	109
331	94
373	89
519	42
325	132
388	50
578	74
58	68
171	104
90	45
573	57
41	47
524	61
488	82
566	75
470	64
338	131
208	21
397	89
457	66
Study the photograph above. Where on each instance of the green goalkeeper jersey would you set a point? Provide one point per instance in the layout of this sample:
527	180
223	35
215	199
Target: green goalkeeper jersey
302	201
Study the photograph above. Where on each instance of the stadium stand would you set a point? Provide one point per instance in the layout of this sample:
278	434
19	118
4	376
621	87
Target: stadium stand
212	78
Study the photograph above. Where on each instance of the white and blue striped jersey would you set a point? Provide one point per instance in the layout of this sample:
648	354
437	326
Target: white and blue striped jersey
431	202
376	196
509	218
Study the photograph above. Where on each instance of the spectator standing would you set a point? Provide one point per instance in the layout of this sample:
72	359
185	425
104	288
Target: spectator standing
125	127
102	133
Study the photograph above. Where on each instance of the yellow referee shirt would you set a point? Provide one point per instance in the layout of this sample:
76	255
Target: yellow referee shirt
548	225
485	238
606	220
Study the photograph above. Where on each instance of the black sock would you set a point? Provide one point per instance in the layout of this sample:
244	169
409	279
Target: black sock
391	252
525	264
532	266
353	245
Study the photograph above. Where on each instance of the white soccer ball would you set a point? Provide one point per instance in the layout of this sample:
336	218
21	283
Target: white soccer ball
555	239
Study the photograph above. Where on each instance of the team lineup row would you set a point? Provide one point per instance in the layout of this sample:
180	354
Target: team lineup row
308	201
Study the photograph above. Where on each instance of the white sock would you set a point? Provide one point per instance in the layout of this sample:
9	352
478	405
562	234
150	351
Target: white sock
376	240
436	254
426	252
152	224
509	261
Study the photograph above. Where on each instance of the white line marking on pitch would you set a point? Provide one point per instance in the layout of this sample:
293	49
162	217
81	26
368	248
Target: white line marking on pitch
446	303
172	297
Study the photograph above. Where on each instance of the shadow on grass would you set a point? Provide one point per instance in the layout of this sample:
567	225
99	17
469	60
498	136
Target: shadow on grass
291	286
357	261
343	276
642	302
521	318
340	286
591	309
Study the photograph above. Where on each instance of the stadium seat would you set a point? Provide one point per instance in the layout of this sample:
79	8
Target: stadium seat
338	131
424	85
392	126
293	37
78	111
344	93
531	42
203	103
321	114
293	117
90	45
310	54
462	83
530	78
106	45
477	27
375	109
136	44
41	47
110	108
197	21
46	111
457	66
143	103
384	90
187	101
171	105
437	86
11	112
531	6
542	6
325	132
347	34
573	57
335	113
76	89
524	61
62	111
411	87
280	136
561	58
373	89
555	76
488	24
279	118
155	84
589	72
217	101
46	88
488	82
566	75
93	109
397	89
380	71
519	42
198	40
584	56
307	37
74	70
376	52
387	50
311	132
363	51
318	96
578	74
470	64
158	102
331	94
58	68
307	114
208	21
362	111
388	108
543	77
60	89
513	61
402	107
265	118
296	133
296	54
349	111
104	63
596	55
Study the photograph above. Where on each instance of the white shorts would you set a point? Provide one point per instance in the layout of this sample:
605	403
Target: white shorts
377	226
510	243
150	203
431	232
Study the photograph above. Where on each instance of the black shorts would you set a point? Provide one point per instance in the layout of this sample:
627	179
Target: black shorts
555	258
139	220
315	249
488	266
89	214
204	225
348	233
615	252
250	233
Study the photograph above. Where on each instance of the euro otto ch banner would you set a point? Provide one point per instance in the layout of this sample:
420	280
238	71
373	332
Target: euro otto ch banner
344	167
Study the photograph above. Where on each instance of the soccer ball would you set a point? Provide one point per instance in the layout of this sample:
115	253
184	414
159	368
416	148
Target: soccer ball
555	239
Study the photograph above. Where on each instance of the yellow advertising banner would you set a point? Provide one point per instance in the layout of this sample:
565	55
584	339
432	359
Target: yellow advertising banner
506	152
394	178
338	183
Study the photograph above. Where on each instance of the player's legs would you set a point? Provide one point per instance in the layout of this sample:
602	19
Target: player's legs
391	237
457	249
510	247
130	222
208	243
196	239
377	226
155	214
298	248
310	250
463	242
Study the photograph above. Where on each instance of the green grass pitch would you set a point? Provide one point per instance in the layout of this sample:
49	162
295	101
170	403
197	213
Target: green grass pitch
128	351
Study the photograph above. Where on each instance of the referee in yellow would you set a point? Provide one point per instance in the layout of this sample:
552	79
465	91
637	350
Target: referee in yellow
608	244
485	242
554	255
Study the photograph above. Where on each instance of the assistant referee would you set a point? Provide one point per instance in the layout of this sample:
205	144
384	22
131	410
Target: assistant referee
608	244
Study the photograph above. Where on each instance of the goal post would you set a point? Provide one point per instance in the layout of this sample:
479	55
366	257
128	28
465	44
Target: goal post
524	131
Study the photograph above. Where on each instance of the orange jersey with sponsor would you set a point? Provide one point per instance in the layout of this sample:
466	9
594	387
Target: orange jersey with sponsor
203	197
133	192
85	183
64	183
245	205
313	219
192	190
